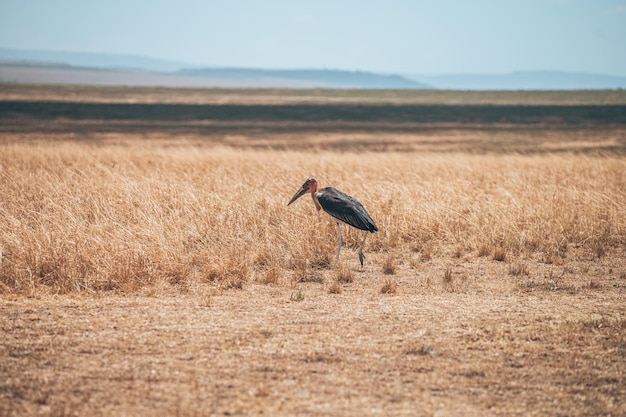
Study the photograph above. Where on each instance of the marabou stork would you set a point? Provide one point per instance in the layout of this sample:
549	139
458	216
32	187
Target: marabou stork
342	207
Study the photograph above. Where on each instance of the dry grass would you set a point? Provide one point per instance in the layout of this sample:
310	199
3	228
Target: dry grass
112	94
84	218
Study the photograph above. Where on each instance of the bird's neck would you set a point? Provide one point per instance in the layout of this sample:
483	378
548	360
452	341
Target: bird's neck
317	203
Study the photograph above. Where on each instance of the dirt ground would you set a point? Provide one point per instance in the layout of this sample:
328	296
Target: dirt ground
441	337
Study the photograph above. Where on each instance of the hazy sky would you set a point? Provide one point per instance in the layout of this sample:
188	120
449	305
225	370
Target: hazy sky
392	36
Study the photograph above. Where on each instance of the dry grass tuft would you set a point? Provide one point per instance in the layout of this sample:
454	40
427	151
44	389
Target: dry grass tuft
448	277
271	275
421	350
311	276
483	250
414	262
231	273
499	254
454	282
426	256
343	274
297	295
335	288
390	265
518	268
321	261
592	285
389	287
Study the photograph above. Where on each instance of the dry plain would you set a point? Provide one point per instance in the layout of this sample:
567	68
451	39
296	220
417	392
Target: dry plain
149	264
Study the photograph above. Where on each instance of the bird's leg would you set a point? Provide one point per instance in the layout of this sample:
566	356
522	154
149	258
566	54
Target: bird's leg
361	256
339	243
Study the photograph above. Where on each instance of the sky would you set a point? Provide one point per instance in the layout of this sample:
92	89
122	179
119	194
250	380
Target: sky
389	36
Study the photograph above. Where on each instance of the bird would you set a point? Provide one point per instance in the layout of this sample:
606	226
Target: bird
344	208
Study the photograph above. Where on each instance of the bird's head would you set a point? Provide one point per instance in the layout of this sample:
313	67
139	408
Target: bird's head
309	186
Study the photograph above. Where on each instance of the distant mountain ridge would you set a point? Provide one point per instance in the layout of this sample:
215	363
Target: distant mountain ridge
349	79
57	67
47	67
56	73
91	60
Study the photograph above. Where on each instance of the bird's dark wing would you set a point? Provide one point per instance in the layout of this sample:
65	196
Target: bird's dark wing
345	208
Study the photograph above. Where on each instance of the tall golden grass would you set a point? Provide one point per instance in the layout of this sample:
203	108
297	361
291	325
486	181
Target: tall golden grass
125	217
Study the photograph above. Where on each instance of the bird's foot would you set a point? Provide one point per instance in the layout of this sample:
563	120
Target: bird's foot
361	257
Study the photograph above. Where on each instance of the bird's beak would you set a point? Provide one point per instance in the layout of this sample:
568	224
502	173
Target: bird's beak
302	191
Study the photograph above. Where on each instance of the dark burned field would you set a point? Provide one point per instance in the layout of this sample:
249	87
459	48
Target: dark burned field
572	115
432	121
525	127
149	265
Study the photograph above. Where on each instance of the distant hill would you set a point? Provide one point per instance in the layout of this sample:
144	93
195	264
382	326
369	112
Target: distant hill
322	78
90	60
523	80
39	73
45	67
54	67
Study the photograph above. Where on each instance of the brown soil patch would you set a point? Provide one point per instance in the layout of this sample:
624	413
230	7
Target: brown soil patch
477	340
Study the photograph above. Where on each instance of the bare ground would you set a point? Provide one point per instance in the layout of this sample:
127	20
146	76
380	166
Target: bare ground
484	338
